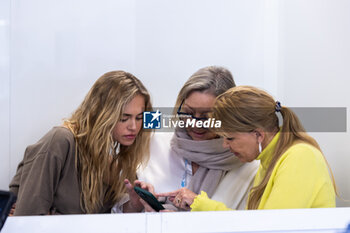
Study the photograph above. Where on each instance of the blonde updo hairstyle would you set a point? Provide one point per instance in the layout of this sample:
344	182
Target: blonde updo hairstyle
214	80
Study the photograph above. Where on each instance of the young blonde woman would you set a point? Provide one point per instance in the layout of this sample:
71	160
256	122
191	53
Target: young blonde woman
81	167
194	157
293	172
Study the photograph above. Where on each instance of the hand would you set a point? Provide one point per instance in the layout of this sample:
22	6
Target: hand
12	211
134	204
181	198
147	207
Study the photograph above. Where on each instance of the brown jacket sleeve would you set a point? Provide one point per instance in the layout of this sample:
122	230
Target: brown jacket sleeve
38	183
38	176
14	185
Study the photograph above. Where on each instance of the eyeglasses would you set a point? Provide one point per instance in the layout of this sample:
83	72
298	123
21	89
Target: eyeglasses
185	115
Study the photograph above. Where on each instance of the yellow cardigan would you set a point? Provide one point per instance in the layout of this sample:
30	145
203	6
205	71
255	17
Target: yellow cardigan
300	179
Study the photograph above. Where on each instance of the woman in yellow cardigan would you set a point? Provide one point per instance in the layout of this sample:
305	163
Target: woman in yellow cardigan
293	172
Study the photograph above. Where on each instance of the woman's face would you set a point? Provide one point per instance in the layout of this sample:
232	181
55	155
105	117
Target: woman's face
126	130
199	104
243	145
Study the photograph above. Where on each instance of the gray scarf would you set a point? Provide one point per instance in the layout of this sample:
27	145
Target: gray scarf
214	161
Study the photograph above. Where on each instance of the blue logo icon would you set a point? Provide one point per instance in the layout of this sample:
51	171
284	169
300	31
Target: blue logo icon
151	120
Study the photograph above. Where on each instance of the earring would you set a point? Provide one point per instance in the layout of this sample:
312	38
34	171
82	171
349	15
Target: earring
260	149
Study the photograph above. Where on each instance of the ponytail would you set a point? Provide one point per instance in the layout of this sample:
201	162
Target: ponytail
292	131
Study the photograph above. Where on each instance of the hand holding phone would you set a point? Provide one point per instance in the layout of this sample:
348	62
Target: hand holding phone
149	198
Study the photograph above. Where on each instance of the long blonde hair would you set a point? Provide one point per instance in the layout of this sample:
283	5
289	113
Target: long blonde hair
246	108
92	125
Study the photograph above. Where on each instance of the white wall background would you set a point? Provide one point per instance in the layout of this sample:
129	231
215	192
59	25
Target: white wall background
51	52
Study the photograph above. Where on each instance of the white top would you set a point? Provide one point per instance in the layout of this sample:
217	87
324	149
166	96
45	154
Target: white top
167	172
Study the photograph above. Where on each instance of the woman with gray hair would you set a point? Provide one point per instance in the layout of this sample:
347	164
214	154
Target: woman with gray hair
193	157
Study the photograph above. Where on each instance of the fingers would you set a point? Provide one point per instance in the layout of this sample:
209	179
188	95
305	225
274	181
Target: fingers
184	199
141	184
169	194
128	185
144	185
12	211
177	200
184	205
181	203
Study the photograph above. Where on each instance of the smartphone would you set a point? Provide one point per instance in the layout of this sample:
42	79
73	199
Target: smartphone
149	198
7	199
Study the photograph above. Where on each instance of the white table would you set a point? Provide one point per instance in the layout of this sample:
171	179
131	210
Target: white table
296	220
